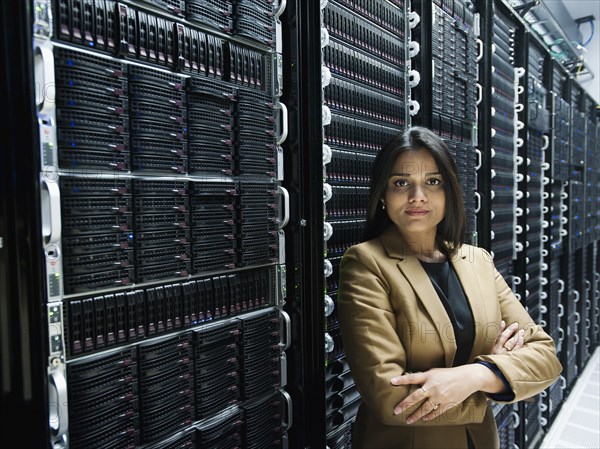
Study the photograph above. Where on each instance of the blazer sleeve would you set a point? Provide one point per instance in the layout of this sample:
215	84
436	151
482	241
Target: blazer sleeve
374	350
534	367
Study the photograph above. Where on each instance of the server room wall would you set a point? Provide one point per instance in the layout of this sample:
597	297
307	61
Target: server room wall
191	191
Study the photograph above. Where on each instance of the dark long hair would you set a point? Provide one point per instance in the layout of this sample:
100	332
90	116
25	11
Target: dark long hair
451	230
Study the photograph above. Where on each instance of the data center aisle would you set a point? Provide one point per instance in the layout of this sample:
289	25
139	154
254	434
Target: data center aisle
578	422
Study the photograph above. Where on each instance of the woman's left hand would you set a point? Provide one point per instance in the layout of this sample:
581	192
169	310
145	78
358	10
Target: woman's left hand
442	389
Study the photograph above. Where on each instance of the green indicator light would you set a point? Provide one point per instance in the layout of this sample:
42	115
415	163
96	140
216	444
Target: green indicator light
56	275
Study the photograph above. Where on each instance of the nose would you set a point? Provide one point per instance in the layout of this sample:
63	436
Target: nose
417	194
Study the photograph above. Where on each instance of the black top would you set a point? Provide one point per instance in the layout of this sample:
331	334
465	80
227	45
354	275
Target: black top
449	289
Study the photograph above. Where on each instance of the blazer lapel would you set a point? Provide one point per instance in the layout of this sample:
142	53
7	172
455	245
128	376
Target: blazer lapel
423	289
465	270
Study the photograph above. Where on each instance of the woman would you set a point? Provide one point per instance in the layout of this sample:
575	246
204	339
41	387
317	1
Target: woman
422	314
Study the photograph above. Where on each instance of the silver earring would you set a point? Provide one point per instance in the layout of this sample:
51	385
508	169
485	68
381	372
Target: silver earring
382	204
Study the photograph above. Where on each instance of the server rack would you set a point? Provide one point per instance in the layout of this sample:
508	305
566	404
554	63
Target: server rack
580	219
500	149
160	125
587	306
365	78
499	139
557	220
571	259
24	336
531	123
592	224
579	310
304	246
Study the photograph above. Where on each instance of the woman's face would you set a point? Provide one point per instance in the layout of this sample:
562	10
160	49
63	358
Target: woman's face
415	199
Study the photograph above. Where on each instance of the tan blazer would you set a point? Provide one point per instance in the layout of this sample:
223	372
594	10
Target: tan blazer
393	322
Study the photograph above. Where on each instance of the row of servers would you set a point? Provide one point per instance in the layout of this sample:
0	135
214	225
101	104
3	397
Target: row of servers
143	119
144	394
159	125
524	135
123	117
149	34
123	231
113	319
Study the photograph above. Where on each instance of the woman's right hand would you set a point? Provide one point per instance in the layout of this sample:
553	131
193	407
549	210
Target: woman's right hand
509	339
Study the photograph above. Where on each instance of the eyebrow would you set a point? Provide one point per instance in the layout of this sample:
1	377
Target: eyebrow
408	174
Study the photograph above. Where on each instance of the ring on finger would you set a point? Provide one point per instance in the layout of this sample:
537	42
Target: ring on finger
434	404
424	392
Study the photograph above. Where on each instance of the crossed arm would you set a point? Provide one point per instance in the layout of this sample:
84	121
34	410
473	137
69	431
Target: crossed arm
441	387
443	396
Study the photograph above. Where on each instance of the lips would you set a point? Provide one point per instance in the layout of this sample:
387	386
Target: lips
417	212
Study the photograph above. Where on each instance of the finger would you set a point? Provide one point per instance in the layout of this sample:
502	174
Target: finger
409	379
519	340
500	330
409	401
514	340
435	413
502	327
505	337
422	412
509	331
505	332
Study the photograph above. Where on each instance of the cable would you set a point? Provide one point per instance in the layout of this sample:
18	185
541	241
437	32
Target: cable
591	22
579	69
561	40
